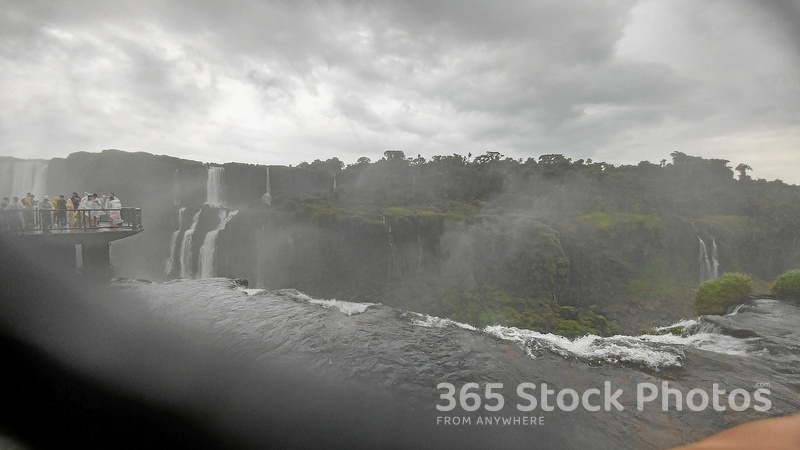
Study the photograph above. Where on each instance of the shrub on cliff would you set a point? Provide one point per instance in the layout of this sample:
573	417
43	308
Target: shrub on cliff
787	286
716	296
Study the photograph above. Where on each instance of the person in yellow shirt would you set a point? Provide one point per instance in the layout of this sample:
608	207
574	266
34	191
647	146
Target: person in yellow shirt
27	205
72	216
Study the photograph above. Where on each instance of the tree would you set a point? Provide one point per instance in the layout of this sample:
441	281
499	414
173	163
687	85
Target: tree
554	165
418	161
554	159
394	155
678	157
488	157
332	165
742	168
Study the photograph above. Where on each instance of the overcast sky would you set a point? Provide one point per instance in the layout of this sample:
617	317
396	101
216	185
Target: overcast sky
280	82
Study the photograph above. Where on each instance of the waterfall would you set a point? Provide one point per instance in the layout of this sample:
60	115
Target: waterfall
394	266
22	176
705	265
208	251
173	243
334	181
176	188
714	259
215	195
267	198
186	249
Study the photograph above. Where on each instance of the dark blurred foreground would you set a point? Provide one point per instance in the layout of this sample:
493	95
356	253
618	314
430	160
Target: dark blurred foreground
83	370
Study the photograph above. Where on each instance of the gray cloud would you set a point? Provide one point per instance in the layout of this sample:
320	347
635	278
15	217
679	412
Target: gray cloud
284	81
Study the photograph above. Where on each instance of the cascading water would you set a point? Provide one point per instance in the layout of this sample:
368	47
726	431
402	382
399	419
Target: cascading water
394	266
214	186
705	265
207	262
186	249
173	244
267	198
334	181
21	177
714	259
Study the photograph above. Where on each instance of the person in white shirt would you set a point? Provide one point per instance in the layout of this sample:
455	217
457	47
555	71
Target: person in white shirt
113	204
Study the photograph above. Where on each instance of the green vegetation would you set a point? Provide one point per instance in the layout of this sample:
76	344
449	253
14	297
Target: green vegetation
548	242
787	286
716	296
605	220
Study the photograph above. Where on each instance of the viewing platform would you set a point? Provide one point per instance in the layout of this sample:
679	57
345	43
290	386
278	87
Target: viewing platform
79	239
66	225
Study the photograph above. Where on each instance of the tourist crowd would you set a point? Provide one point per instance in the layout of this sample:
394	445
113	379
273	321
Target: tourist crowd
59	212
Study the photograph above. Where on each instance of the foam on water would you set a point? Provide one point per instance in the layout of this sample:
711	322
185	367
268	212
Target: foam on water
616	349
425	320
710	342
251	292
684	323
348	308
701	335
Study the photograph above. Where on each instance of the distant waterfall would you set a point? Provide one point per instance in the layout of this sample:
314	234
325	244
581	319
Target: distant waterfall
207	263
394	265
214	186
176	188
334	181
267	198
706	272
22	176
186	249
714	259
173	243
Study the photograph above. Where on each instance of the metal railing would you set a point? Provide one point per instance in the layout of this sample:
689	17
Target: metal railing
65	220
